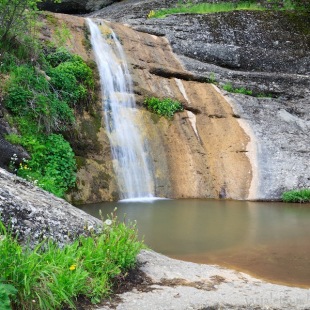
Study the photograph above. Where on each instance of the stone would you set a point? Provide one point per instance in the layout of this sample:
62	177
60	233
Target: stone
34	214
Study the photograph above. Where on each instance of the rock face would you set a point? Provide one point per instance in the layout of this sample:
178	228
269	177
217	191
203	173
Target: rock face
31	212
202	151
74	6
95	176
266	52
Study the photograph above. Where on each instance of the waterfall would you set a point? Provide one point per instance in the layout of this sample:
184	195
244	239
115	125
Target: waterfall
128	149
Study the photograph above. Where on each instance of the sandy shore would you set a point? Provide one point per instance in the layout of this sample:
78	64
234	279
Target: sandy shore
173	284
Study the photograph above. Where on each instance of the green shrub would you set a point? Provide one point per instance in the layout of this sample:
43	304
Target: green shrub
50	277
302	195
228	87
73	79
59	56
52	165
164	107
41	105
28	93
7	292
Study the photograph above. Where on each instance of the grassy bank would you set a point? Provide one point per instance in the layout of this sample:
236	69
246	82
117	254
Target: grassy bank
206	8
48	277
302	195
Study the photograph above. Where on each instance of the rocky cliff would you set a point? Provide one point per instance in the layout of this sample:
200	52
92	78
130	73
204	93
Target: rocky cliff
266	52
223	145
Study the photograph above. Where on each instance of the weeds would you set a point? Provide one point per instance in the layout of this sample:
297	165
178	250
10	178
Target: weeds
206	8
302	195
242	90
49	277
164	107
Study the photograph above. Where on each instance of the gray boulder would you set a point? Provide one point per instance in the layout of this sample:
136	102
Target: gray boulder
34	214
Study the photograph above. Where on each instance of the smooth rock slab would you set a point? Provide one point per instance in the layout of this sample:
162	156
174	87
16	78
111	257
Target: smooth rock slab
34	214
182	285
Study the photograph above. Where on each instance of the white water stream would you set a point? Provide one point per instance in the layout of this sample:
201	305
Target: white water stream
129	151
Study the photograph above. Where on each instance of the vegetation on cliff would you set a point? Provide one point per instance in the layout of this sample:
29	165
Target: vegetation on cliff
49	277
205	7
44	87
301	195
164	107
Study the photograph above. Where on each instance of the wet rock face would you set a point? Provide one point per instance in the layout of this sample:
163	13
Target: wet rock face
74	6
260	49
263	51
34	213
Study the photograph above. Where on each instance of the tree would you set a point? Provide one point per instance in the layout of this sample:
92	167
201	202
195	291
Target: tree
16	16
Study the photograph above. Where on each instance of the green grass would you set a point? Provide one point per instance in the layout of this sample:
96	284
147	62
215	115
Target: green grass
242	90
49	277
302	195
205	8
164	107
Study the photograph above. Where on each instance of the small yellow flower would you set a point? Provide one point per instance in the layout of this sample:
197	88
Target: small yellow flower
151	14
72	267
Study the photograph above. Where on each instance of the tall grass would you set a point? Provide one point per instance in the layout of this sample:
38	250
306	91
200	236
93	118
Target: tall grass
302	195
204	8
49	277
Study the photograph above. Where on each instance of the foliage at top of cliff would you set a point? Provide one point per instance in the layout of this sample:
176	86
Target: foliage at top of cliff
206	7
16	16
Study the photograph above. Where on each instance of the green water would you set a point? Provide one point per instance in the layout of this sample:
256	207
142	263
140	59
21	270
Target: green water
268	240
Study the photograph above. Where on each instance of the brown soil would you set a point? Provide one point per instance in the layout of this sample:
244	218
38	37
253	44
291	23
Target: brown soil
133	279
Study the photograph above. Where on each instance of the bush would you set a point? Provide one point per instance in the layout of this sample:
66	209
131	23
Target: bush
42	107
52	165
28	93
302	195
7	292
242	90
72	79
59	56
165	107
50	278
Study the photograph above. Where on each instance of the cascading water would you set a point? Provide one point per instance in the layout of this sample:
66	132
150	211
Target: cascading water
128	150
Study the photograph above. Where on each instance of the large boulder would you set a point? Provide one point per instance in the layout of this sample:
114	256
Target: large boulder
74	6
34	214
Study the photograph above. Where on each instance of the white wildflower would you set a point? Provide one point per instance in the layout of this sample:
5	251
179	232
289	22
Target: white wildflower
108	222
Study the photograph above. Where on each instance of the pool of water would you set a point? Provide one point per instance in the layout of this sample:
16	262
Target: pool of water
267	240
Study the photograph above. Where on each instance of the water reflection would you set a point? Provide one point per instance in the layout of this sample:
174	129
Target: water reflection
269	240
